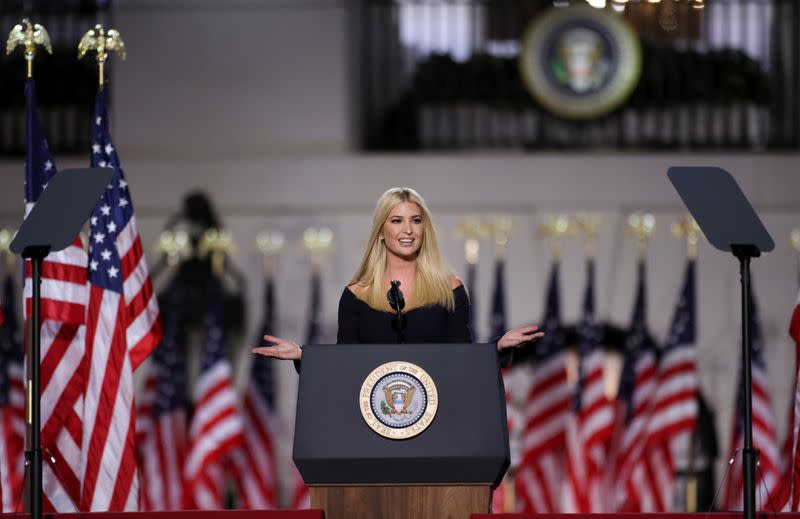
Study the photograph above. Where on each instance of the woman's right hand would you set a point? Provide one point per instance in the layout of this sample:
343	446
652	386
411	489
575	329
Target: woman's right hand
280	349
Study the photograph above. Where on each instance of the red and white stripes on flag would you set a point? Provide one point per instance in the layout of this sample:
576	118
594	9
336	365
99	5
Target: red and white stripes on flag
588	434
12	441
216	429
635	467
764	437
793	473
161	422
122	329
162	441
540	474
673	414
591	422
539	477
12	404
215	432
63	313
300	496
253	464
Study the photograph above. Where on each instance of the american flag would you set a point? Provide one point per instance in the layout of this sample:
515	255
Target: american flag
673	416
63	312
539	477
503	497
793	473
216	426
122	329
300	496
254	465
12	405
497	324
634	487
764	437
472	285
161	423
591	422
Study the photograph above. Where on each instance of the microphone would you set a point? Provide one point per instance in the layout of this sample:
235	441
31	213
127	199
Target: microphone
395	296
397	302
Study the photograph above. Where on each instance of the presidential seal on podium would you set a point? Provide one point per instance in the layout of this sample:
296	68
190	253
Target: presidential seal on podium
398	400
580	62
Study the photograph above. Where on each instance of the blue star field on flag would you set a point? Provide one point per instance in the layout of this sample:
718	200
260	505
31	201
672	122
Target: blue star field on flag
263	369
213	347
472	285
553	341
638	342
169	359
39	164
683	330
314	310
497	325
590	334
114	210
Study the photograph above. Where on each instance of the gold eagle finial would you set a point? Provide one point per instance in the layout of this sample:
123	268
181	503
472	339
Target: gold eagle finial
29	36
101	41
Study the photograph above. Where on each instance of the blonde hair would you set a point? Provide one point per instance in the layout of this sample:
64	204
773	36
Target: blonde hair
433	284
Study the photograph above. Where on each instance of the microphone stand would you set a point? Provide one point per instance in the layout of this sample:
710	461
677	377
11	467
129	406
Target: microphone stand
397	302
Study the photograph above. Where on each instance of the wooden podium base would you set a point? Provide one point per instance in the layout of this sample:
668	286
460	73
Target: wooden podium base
401	501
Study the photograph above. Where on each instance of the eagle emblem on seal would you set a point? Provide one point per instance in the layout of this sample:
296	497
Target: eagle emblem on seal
399	396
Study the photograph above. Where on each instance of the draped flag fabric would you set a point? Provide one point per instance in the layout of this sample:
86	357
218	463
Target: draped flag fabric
472	286
216	428
503	496
497	325
161	422
63	313
300	495
12	404
635	488
254	465
793	475
122	329
673	415
539	477
591	422
764	436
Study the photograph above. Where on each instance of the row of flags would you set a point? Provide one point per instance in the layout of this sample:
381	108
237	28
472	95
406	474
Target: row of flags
583	452
227	447
100	321
189	455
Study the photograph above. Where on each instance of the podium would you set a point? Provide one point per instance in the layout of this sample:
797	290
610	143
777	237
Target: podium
401	431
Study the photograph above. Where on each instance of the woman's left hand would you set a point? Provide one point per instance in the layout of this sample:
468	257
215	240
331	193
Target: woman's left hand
519	337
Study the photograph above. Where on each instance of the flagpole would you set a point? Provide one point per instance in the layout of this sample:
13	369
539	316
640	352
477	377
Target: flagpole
30	36
794	238
686	228
101	41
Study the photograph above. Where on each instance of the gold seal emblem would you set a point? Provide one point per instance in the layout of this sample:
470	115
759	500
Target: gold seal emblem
580	62
398	400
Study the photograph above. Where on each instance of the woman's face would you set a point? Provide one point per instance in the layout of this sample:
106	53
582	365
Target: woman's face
403	229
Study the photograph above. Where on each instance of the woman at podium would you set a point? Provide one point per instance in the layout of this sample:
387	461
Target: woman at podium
403	290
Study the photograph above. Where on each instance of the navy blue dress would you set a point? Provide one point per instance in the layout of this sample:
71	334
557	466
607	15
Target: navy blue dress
359	323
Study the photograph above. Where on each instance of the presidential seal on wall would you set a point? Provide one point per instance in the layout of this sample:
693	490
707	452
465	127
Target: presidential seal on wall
580	62
398	400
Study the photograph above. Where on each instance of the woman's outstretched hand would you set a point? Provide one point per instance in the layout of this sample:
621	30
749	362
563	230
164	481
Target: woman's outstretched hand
519	337
280	349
